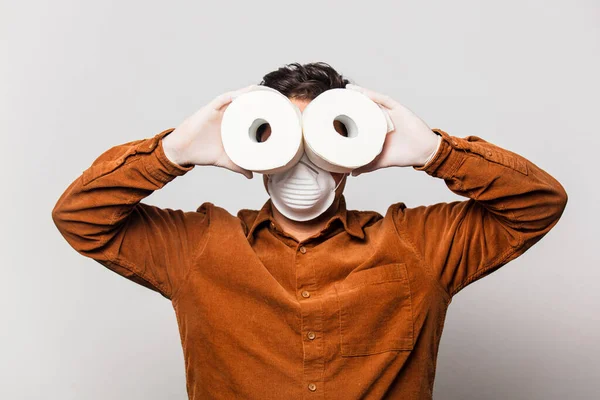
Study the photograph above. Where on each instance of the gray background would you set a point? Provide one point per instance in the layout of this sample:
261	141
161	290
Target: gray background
80	77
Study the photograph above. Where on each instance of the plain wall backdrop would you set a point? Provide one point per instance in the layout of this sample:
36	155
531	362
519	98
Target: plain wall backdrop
79	77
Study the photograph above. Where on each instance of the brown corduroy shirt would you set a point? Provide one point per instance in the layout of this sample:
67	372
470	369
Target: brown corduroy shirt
355	311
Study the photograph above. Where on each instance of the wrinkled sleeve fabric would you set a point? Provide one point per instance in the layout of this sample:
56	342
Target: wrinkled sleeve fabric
512	204
102	217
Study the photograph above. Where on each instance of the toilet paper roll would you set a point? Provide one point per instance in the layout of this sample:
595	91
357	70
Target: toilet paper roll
241	119
367	124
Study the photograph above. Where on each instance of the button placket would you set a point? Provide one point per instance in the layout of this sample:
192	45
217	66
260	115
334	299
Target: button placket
312	319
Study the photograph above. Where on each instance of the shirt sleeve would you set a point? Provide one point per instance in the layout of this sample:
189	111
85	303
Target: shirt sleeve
512	203
102	217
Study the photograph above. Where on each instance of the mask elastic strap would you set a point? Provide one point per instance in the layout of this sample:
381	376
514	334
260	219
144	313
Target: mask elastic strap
338	184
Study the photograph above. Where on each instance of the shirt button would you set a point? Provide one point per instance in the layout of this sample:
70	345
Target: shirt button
312	387
311	335
305	293
302	249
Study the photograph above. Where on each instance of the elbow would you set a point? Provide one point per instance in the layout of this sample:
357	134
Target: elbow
561	201
63	223
554	200
58	215
542	215
82	242
56	218
555	205
545	219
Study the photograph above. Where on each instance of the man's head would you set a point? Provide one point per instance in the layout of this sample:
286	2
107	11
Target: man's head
301	84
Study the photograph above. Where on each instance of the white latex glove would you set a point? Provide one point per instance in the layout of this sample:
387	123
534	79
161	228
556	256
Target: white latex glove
197	140
411	143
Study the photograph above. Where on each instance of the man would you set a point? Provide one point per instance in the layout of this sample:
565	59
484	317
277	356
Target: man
347	305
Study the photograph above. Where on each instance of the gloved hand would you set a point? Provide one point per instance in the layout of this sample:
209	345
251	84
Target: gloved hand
197	140
411	143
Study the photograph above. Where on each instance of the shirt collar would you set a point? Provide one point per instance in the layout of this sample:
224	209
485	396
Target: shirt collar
351	222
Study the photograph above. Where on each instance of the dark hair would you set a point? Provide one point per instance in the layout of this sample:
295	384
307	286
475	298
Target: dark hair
304	82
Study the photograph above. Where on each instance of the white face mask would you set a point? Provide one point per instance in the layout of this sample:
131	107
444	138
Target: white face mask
303	192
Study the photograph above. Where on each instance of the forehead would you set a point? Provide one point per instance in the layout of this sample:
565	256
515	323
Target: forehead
301	103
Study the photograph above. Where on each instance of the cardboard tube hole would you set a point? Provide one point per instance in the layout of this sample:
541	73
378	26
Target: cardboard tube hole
349	125
256	129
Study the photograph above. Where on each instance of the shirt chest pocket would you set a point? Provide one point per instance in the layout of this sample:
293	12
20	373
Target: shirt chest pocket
375	311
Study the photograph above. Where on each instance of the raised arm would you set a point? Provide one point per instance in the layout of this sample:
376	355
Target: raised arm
512	204
102	217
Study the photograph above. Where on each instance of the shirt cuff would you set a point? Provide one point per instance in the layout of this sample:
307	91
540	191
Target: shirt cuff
439	137
159	165
447	157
